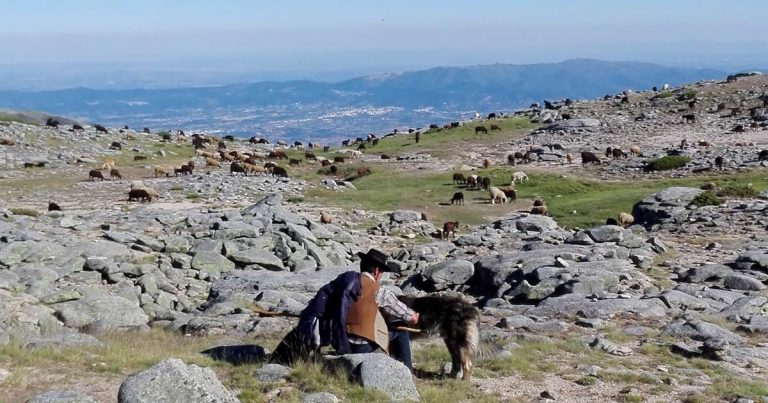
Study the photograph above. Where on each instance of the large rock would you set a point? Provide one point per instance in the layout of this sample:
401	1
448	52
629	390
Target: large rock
668	205
535	223
449	273
210	264
262	258
573	124
403	216
104	312
380	372
61	396
174	381
742	282
606	233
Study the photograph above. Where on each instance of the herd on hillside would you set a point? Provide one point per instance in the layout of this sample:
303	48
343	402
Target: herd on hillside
215	152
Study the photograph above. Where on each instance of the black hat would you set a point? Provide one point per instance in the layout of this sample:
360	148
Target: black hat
375	257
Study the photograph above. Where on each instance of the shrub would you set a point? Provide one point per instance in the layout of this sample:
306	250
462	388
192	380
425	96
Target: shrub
25	211
687	96
706	199
165	136
667	163
737	191
193	195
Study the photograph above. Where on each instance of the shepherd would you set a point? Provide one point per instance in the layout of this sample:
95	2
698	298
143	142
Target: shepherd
349	314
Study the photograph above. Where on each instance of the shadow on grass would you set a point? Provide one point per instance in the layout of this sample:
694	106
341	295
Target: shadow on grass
238	354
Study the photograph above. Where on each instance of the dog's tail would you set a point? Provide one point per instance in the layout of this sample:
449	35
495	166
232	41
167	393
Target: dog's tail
481	349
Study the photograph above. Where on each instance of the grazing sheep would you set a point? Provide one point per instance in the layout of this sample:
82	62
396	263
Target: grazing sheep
77	127
161	171
763	156
108	164
338	160
53	207
457	198
385	157
212	163
689	118
495	128
361	147
481	129
418	137
635	150
497	194
114	173
459	178
719	162
294	161
281	155
711	186
310	156
325	163
625	219
703	143
609	152
363	171
618	153
7	141
519	176
333	170
326	218
139	195
510	193
569	158
449	228
486	182
115	146
511	159
589	157
94	174
540	210
139	157
684	144
529	157
472	181
280	172
100	128
254	169
185	169
236	167
375	142
486	163
611	221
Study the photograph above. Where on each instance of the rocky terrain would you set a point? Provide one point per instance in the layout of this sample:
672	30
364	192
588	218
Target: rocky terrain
672	308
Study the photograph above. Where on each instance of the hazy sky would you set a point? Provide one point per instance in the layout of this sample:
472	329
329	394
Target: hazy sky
333	35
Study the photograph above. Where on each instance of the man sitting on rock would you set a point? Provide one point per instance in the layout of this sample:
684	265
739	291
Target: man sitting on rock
347	314
364	323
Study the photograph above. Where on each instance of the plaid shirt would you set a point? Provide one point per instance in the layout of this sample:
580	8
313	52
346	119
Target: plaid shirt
391	307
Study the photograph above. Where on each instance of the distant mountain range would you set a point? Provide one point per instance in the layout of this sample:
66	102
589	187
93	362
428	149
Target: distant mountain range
308	109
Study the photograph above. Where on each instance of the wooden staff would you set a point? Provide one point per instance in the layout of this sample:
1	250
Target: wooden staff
269	314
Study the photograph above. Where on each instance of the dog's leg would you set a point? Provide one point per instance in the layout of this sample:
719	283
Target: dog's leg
456	364
466	364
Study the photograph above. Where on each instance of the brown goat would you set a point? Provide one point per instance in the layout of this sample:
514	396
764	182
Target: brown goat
139	195
211	163
449	228
114	173
94	174
363	171
161	171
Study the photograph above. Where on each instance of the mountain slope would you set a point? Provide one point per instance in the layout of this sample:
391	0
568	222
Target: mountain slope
303	106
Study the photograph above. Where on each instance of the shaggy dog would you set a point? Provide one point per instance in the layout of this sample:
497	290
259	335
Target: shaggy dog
457	322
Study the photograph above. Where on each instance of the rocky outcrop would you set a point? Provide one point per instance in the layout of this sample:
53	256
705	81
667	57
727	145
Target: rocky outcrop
172	380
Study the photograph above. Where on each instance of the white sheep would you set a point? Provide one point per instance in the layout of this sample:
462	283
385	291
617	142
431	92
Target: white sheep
497	194
519	176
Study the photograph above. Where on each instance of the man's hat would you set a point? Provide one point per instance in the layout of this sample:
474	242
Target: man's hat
376	257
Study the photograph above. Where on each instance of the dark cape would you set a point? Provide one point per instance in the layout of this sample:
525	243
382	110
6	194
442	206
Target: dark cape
330	306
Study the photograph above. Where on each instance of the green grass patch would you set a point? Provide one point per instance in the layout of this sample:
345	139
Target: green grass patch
593	201
738	191
444	142
687	95
667	163
193	195
17	118
664	94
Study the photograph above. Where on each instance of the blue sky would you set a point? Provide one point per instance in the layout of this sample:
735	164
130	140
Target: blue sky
364	35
